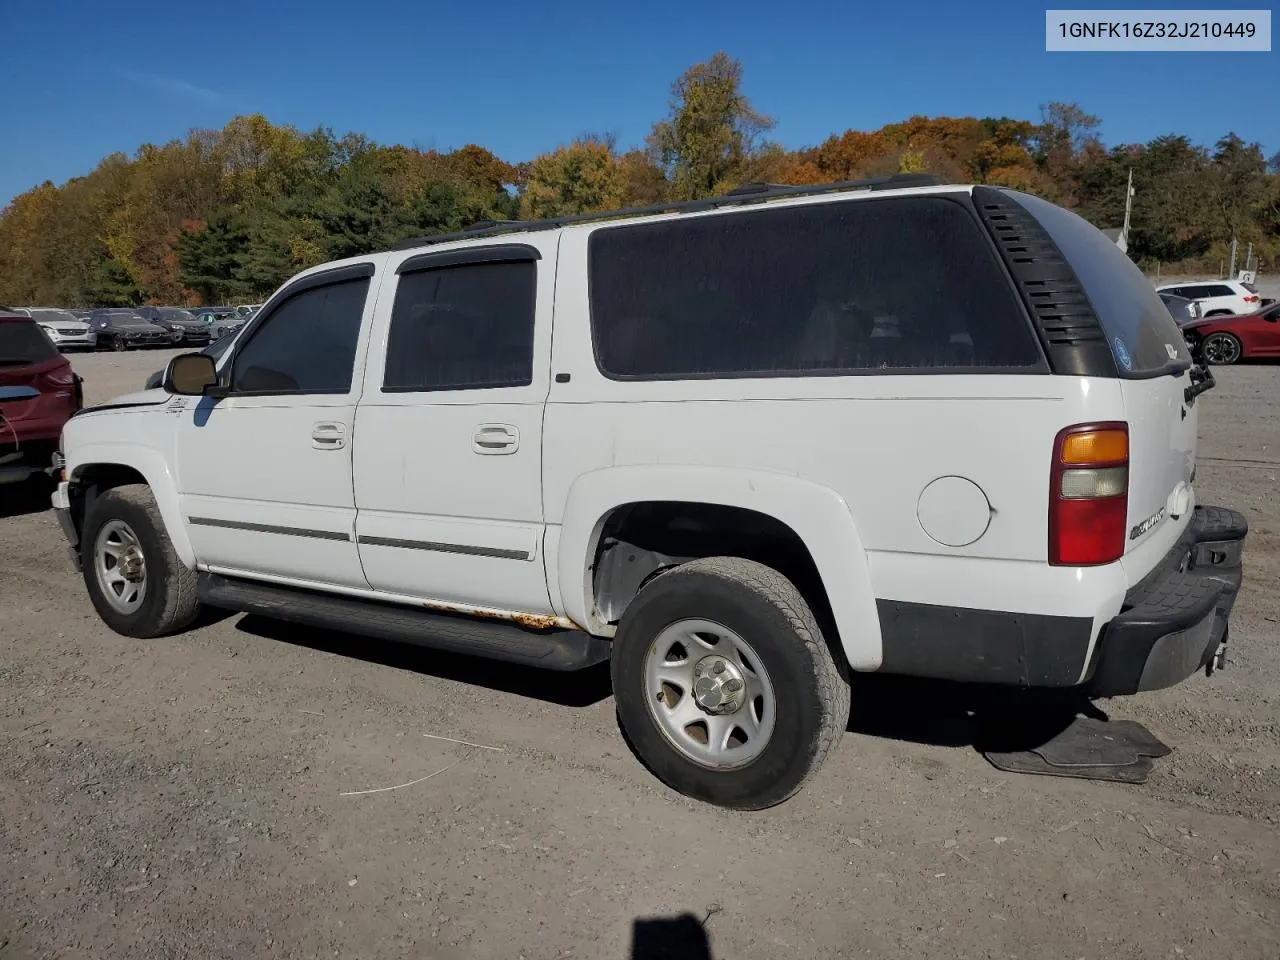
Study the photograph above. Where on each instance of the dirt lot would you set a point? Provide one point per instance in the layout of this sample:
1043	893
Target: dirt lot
185	797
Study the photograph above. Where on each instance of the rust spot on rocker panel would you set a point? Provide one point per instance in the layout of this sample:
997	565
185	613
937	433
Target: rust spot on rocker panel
530	621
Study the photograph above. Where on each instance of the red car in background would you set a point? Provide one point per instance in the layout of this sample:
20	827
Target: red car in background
38	394
1226	339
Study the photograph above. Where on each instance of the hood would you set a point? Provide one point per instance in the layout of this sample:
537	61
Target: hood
80	325
143	398
139	325
1200	322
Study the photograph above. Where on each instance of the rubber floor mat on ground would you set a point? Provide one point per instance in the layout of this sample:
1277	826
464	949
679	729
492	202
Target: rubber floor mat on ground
1090	749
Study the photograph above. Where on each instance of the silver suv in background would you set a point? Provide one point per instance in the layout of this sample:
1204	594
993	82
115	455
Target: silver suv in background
62	327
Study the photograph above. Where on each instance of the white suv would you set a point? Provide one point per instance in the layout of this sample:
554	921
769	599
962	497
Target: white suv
1217	297
63	327
740	447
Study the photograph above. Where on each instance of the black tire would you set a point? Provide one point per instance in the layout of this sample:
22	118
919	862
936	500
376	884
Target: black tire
759	603
119	345
1221	349
170	603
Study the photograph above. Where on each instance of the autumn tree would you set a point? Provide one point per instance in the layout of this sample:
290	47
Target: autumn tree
711	130
583	177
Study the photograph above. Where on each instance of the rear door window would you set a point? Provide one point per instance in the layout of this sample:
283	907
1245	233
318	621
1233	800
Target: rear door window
1143	336
23	342
905	285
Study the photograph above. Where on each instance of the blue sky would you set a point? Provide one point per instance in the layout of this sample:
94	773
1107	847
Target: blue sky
80	78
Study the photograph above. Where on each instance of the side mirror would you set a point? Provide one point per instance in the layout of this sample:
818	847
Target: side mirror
189	374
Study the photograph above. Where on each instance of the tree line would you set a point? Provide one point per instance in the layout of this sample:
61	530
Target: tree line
227	215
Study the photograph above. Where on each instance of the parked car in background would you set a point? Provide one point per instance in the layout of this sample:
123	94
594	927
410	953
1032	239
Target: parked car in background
123	329
247	309
63	327
1228	339
1180	308
1217	297
215	350
43	393
220	324
183	325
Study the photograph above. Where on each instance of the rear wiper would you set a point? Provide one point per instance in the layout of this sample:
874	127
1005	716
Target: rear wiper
1201	382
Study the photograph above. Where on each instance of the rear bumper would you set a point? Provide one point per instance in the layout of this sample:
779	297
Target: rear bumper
1175	621
18	464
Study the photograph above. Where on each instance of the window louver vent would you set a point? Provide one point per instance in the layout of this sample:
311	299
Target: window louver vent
1064	317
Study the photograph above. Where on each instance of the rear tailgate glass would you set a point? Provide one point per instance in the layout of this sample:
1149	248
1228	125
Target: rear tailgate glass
22	342
1143	337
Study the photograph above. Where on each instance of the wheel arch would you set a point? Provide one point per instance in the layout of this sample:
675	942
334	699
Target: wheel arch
103	466
818	517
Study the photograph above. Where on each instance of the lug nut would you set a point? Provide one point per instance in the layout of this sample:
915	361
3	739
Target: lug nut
733	685
719	667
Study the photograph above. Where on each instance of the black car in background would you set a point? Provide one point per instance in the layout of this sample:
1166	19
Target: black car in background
123	329
1180	308
183	325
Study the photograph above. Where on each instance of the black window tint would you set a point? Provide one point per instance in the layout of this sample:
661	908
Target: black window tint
306	345
831	288
1220	290
462	328
1142	335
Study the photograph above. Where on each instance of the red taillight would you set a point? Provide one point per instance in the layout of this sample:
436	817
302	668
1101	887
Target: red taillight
1089	494
1250	299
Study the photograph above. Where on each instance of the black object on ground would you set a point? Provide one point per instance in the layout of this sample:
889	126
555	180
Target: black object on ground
1088	748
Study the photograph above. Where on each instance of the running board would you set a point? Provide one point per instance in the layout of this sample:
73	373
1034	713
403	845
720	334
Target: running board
458	633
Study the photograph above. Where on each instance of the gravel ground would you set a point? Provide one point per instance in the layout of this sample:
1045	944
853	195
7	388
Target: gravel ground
185	797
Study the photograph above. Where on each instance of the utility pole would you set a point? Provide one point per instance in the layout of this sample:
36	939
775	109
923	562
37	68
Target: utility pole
1128	208
1232	272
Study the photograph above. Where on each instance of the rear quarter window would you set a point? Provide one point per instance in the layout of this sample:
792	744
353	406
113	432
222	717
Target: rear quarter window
1142	335
903	284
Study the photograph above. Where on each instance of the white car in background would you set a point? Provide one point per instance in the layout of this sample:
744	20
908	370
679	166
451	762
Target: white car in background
1217	297
63	328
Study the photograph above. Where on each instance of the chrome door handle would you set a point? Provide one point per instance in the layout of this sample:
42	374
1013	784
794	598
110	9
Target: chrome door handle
495	438
329	436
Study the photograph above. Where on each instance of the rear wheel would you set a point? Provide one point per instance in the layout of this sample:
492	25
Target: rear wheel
1221	348
724	684
135	579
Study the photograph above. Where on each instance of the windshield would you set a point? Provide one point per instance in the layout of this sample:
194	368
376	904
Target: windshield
1142	334
22	342
105	317
175	313
53	316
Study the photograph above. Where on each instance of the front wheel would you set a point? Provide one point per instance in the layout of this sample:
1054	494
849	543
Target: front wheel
119	346
1221	348
135	579
725	685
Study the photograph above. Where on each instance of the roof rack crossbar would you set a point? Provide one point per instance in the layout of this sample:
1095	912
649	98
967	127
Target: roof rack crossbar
745	194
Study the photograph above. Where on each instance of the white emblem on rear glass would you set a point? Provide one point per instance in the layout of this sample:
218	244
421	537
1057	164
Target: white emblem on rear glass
1171	350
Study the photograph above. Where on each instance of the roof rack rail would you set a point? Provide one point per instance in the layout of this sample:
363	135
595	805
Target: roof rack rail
750	188
745	194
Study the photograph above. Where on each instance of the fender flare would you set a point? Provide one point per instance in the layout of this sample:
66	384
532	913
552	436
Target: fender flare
817	514
159	476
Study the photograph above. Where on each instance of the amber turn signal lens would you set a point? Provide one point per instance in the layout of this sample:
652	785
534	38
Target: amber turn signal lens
1096	446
